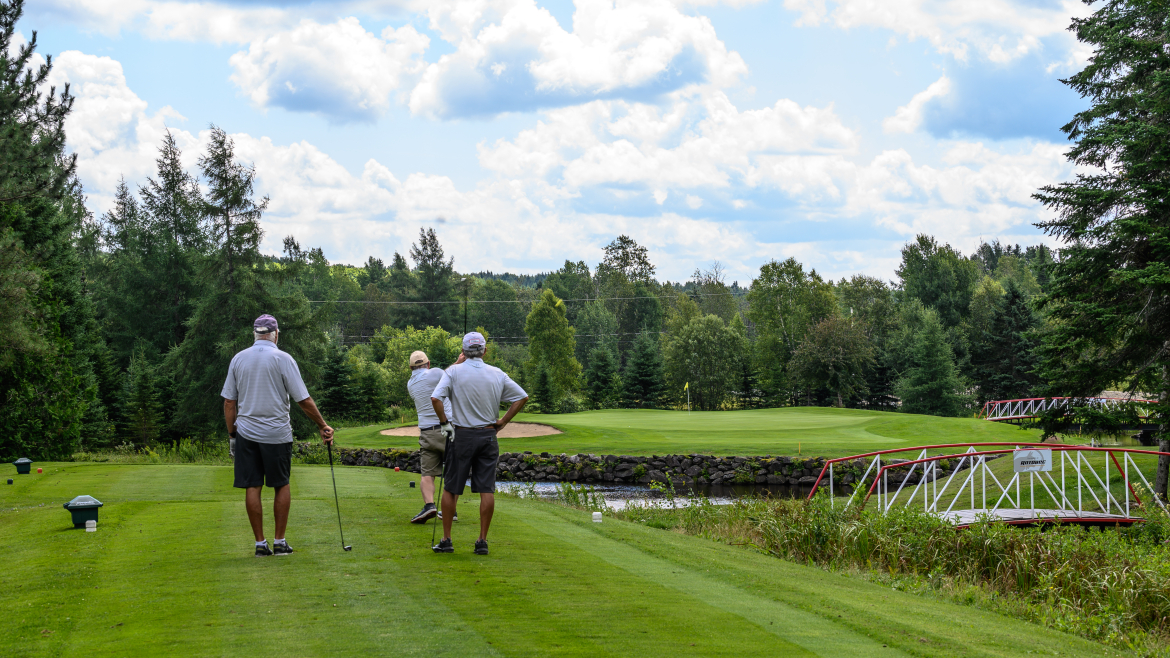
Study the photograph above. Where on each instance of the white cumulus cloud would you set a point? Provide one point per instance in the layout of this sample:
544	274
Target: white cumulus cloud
339	69
998	30
512	55
702	141
109	128
908	117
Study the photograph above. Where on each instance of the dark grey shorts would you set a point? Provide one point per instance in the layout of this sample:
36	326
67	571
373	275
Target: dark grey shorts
473	454
258	464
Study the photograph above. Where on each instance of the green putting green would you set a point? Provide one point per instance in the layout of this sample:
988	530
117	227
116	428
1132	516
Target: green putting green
816	431
170	572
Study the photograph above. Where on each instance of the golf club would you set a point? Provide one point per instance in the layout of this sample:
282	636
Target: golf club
335	502
439	491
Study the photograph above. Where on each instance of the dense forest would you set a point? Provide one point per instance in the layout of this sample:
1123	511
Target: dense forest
117	328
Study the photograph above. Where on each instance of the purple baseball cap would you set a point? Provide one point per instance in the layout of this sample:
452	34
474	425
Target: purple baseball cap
264	324
473	338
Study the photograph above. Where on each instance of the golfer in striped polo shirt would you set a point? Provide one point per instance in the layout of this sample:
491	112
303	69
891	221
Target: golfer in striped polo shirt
475	391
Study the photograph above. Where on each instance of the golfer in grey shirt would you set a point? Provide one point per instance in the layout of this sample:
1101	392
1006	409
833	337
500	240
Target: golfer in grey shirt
256	393
431	442
475	391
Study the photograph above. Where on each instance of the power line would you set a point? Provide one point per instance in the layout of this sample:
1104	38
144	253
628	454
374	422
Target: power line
525	301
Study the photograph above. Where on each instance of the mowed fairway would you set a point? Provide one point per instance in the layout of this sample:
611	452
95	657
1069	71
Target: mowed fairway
815	431
170	572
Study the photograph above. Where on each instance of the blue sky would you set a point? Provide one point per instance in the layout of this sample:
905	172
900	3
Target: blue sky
528	132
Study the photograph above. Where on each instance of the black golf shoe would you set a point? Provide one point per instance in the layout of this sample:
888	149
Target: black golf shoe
481	547
281	548
428	512
444	546
263	551
456	517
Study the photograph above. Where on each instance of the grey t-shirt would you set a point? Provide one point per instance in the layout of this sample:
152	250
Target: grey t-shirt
475	391
421	387
261	379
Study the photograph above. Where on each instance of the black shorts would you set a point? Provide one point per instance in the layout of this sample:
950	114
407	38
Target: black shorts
258	464
474	454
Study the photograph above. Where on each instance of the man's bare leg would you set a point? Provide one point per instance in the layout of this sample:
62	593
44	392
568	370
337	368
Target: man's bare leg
449	501
280	504
255	511
427	484
487	507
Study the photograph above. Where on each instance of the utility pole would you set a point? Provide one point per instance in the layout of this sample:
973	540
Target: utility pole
466	286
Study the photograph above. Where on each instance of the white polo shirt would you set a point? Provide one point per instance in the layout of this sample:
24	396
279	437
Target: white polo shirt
475	391
422	387
261	379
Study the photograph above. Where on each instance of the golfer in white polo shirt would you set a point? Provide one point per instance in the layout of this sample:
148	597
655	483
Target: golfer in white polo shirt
475	391
431	442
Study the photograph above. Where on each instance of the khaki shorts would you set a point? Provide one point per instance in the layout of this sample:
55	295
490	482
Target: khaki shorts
430	456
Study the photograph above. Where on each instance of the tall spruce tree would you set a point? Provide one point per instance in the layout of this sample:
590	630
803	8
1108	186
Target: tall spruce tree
337	395
543	392
33	163
48	386
1109	293
643	383
1004	360
932	384
603	384
141	407
239	288
155	247
434	285
174	221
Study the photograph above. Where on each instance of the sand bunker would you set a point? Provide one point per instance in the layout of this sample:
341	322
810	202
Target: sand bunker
511	431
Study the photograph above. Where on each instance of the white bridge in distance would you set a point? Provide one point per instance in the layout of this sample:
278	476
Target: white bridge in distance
1075	483
1027	408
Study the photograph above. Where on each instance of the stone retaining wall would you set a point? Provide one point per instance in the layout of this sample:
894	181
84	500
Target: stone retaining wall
678	469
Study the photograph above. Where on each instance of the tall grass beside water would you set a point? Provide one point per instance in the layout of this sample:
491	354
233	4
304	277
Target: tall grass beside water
1110	585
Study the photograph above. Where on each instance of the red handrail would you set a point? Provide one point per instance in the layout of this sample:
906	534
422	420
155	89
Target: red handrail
882	470
825	468
1053	446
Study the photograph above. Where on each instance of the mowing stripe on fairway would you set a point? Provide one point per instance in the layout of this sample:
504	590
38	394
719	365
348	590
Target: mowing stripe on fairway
798	632
918	625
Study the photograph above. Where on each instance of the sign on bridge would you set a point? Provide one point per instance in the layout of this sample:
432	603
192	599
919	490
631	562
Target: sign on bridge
1032	461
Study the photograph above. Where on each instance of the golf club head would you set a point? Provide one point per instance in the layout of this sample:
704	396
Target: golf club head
348	548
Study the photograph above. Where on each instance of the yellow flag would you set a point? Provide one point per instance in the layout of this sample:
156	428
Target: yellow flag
686	386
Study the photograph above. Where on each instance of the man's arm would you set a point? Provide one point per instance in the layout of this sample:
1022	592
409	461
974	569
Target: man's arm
230	409
439	411
512	411
310	408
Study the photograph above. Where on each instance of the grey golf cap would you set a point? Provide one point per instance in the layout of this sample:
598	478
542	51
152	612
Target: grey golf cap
473	339
264	324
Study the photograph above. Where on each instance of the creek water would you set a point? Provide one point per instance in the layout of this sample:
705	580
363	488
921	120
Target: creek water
618	496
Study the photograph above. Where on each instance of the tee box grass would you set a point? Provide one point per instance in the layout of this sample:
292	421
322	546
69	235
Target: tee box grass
170	571
811	431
